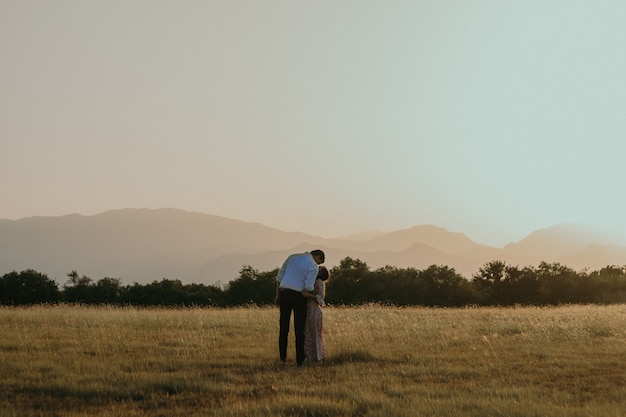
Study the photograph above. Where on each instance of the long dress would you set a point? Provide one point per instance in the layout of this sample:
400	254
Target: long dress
314	346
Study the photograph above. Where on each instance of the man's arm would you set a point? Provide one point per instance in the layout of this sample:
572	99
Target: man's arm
277	297
311	276
308	294
279	278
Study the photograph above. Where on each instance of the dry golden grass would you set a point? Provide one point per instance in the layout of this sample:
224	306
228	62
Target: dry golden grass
382	361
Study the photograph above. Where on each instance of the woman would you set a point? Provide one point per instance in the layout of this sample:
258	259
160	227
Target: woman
314	347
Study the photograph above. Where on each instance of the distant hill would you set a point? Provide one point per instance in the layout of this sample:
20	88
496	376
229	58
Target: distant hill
435	237
142	245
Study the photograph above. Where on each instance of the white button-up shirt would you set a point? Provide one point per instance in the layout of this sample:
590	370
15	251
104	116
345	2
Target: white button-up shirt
298	272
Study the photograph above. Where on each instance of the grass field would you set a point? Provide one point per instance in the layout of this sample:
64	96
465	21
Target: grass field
382	361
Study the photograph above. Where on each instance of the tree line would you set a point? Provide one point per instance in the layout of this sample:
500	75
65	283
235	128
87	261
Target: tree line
352	282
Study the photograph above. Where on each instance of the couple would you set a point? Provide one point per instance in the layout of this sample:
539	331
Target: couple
300	288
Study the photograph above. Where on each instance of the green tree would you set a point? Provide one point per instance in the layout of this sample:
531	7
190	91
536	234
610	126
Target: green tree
391	285
443	286
252	287
519	286
78	289
345	283
167	292
559	284
488	282
608	285
107	291
206	295
28	287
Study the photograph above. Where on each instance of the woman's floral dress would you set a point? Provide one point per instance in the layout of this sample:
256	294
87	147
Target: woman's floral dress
314	347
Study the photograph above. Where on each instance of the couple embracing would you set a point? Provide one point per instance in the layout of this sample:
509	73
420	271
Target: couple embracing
300	288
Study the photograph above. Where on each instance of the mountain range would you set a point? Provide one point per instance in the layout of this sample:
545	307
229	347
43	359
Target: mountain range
143	245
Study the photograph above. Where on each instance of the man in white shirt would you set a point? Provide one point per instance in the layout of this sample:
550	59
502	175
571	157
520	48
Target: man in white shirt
297	274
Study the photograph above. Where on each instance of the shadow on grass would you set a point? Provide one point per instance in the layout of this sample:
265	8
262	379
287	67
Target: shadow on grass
352	357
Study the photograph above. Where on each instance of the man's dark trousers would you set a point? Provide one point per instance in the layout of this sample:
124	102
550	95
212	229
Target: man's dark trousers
289	301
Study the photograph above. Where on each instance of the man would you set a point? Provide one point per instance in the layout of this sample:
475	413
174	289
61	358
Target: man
297	274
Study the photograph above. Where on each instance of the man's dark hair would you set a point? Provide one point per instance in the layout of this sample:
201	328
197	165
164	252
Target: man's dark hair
318	252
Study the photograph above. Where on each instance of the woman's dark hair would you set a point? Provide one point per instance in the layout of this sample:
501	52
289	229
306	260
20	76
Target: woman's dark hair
323	273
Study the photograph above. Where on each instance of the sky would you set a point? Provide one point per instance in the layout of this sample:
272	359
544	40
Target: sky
493	118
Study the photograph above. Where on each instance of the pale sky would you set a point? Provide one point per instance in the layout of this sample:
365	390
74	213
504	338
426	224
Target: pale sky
493	118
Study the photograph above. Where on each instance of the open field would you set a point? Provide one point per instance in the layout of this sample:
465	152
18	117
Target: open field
382	361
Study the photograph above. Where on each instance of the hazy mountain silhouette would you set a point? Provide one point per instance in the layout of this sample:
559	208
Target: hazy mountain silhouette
573	245
142	245
554	240
435	237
